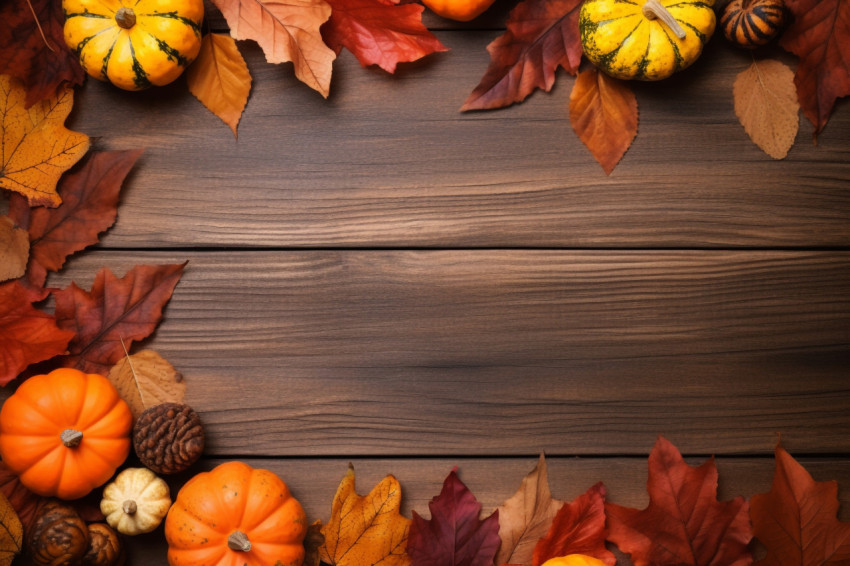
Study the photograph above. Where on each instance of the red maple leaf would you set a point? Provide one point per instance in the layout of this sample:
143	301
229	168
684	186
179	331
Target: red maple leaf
379	32
541	36
797	519
820	37
27	335
578	528
454	536
684	523
115	310
89	206
42	63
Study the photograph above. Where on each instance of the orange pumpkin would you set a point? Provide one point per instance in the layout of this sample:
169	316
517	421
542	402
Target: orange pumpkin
235	515
65	433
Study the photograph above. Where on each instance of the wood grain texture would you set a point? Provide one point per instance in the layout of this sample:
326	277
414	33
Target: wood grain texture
388	161
314	482
305	353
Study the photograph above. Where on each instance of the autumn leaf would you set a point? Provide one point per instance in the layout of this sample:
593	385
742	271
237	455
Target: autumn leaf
146	379
220	78
766	105
287	30
526	516
11	532
14	249
42	63
604	114
25	503
578	528
366	529
27	335
39	148
797	519
89	206
454	536
820	36
541	36
684	524
312	542
380	32
115	310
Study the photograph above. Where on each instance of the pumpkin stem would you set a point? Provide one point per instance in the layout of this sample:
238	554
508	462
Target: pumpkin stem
239	542
71	438
130	507
655	9
125	17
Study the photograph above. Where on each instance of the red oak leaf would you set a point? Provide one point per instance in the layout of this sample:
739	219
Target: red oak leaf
454	536
115	310
578	528
24	502
89	206
684	523
796	520
24	52
27	335
542	35
379	32
820	37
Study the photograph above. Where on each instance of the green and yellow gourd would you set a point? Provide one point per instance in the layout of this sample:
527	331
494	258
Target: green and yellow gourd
645	39
134	44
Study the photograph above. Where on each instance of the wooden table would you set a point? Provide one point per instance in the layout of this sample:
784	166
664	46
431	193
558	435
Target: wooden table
377	278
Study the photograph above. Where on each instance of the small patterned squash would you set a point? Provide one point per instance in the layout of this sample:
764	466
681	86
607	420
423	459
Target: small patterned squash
752	23
235	514
458	10
136	501
134	43
65	433
645	39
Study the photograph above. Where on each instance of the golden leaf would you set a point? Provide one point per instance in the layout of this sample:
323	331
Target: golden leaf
366	530
147	379
38	147
11	532
14	249
766	105
220	79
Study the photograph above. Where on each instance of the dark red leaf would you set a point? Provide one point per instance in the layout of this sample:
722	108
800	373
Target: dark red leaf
454	536
542	35
578	528
115	310
25	54
684	524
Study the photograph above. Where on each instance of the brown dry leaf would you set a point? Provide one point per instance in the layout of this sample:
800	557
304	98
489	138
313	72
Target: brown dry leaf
11	532
366	530
287	30
526	516
766	105
604	114
220	79
146	379
39	148
312	542
14	249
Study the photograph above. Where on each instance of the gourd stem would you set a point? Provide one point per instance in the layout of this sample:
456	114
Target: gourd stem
239	542
71	438
130	507
125	17
654	9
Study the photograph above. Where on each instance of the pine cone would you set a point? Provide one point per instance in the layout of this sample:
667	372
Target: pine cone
168	438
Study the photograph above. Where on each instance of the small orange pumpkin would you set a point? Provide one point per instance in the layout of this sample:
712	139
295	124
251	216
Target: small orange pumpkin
65	433
235	514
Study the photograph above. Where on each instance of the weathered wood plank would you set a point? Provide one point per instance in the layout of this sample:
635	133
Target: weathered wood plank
314	483
389	161
508	352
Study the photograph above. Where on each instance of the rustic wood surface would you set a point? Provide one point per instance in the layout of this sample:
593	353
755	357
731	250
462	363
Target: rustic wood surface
378	278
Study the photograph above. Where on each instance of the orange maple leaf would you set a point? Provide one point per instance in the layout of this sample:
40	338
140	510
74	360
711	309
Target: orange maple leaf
366	529
38	146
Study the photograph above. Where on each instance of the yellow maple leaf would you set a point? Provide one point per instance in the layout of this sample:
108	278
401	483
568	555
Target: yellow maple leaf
36	147
366	530
11	532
